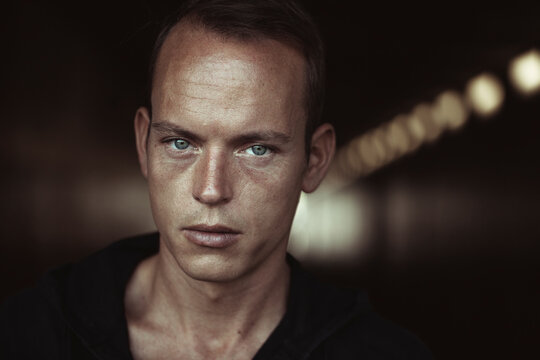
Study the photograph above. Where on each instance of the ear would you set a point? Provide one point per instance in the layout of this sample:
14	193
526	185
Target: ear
142	122
322	149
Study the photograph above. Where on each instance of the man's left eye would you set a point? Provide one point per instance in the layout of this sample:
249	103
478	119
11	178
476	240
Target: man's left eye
180	144
258	150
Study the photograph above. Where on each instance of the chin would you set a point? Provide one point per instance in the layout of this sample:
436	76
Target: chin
213	268
224	265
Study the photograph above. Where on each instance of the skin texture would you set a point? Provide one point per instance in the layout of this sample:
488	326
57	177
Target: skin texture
225	148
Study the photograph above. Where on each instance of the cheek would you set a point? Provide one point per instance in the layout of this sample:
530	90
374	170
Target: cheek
164	170
281	172
270	193
167	183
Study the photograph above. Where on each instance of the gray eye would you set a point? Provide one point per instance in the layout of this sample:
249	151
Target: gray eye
259	149
180	144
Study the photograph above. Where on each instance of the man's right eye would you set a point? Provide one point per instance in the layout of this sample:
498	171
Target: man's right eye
180	144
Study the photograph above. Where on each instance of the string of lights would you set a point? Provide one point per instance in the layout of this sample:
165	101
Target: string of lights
331	224
484	96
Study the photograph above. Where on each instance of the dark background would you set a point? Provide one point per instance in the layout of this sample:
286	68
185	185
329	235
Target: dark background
463	212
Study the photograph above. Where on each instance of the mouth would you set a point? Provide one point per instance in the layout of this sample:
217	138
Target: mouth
212	236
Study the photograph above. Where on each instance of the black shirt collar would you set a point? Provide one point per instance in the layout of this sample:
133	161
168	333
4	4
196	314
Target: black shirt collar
90	297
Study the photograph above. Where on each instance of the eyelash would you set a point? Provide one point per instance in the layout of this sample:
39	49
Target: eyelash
171	141
269	149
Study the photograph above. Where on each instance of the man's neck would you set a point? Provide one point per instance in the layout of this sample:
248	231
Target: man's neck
215	318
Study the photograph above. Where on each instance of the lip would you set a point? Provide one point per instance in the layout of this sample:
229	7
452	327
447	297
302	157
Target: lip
212	236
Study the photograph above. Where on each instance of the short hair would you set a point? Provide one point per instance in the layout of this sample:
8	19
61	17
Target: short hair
281	20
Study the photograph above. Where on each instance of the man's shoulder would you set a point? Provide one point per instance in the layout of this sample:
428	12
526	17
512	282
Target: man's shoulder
368	335
73	301
340	324
109	266
30	324
93	277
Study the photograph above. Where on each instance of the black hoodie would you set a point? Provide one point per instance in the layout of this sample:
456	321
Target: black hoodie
77	312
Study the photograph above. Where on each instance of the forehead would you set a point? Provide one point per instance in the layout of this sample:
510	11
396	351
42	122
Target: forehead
198	69
188	41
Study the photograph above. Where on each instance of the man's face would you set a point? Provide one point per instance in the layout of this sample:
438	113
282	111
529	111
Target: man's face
225	157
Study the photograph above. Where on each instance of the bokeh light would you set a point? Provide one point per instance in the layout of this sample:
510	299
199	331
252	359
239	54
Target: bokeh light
416	130
485	94
329	226
397	137
524	72
449	110
424	115
372	150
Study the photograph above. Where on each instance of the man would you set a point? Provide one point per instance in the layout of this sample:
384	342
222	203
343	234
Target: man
231	138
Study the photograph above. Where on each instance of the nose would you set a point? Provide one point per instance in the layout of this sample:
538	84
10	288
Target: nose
211	183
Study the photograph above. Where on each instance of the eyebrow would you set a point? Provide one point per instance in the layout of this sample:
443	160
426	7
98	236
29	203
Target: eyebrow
254	136
168	128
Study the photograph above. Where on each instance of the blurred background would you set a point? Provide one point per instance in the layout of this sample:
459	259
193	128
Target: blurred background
432	201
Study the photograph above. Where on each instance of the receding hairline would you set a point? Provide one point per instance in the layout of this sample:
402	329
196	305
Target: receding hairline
179	34
284	21
192	22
